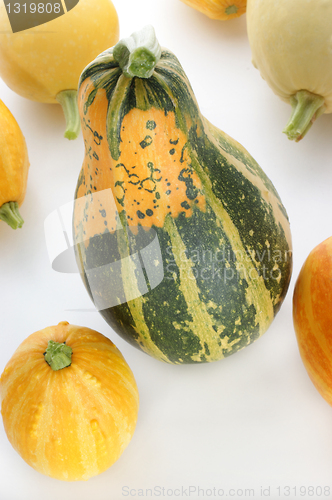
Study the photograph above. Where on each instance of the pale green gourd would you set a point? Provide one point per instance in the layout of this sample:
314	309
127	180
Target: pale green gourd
291	44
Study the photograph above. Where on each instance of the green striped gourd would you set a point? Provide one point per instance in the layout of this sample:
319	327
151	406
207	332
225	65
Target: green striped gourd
155	167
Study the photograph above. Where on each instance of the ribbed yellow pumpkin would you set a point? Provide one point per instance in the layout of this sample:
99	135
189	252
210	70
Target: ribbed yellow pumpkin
69	402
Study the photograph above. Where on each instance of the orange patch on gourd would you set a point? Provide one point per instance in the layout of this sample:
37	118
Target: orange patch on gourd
153	176
95	206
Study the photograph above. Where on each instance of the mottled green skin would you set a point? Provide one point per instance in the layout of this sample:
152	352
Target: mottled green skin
165	309
182	344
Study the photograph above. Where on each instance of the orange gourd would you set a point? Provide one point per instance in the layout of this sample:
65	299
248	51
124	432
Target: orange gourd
69	402
312	306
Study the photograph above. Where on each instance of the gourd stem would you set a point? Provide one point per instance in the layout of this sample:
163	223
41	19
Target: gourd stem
9	213
307	107
231	9
138	54
58	355
68	101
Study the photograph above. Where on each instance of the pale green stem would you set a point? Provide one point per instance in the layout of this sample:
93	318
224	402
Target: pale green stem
138	54
58	355
307	107
9	213
231	9
68	101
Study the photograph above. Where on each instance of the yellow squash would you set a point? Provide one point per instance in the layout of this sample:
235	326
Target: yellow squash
291	46
219	9
44	63
69	402
14	166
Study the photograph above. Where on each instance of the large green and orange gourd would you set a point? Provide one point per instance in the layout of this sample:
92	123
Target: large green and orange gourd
154	164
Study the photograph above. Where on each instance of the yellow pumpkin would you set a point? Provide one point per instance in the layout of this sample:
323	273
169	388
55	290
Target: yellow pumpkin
14	167
69	402
219	9
44	63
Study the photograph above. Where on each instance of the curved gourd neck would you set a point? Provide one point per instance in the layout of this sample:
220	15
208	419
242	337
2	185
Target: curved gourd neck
138	54
138	73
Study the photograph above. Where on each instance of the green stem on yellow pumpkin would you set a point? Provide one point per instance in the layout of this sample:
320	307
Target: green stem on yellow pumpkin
9	213
307	107
58	355
68	101
231	9
138	54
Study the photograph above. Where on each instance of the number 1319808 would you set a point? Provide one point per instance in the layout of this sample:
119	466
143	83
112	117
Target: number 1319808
304	491
33	8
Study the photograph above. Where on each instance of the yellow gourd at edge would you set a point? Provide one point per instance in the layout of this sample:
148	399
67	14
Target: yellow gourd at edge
14	167
291	45
44	63
219	9
69	402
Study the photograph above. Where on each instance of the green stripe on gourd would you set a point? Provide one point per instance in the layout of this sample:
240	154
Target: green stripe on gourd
131	289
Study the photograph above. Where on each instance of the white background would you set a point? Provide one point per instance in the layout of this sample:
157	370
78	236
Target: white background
253	420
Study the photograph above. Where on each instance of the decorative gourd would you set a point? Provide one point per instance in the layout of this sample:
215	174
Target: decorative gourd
14	167
69	402
44	63
291	47
225	250
312	306
219	9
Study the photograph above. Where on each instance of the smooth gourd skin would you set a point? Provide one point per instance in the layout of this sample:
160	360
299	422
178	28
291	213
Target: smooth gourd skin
222	229
312	306
40	62
73	423
291	45
219	9
14	160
